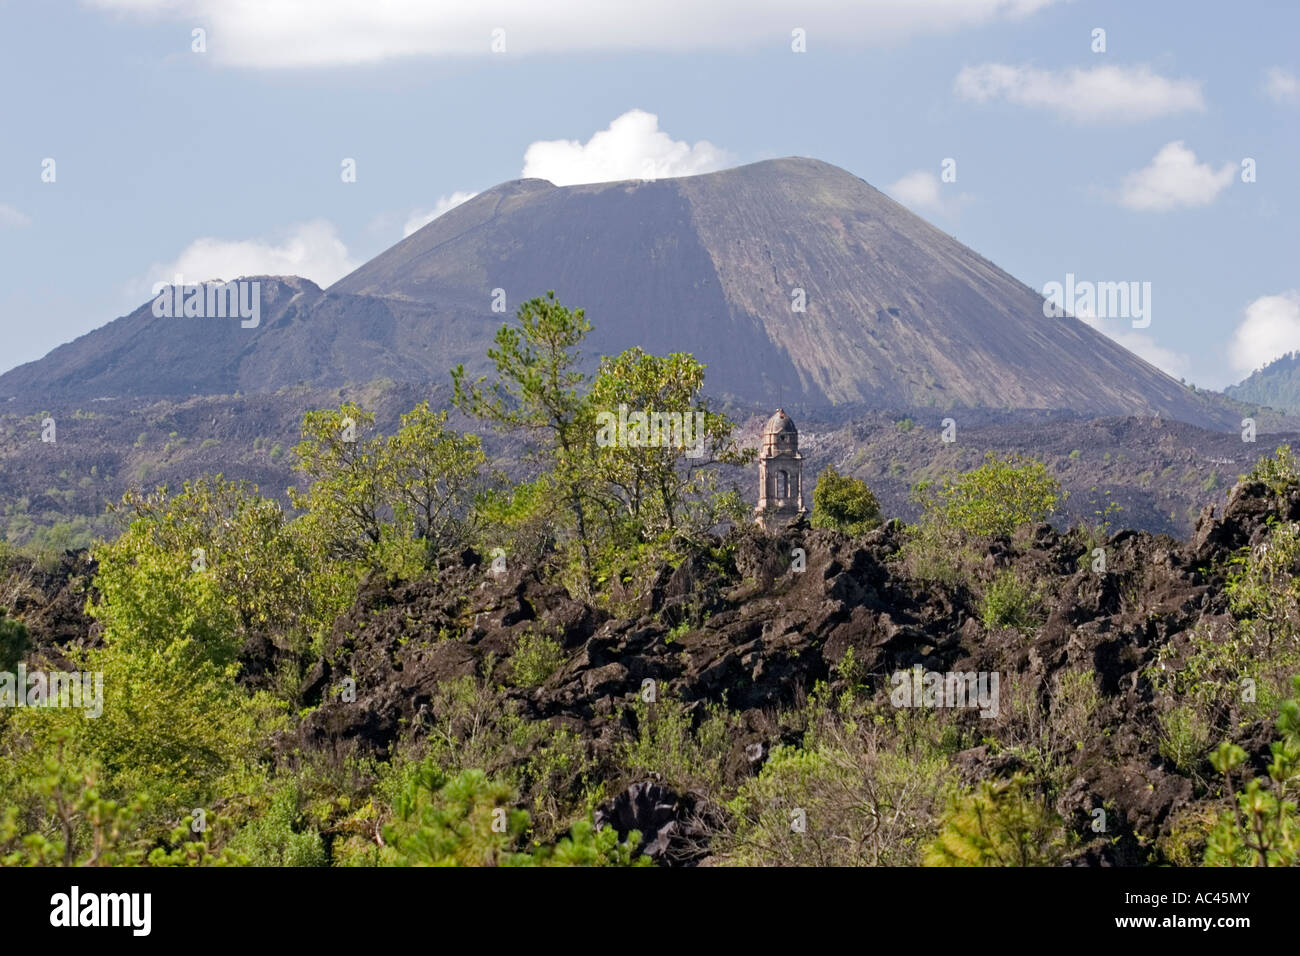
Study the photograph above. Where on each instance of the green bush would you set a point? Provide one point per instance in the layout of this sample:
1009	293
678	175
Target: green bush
1279	471
1261	650
279	837
469	819
536	658
853	795
994	499
960	512
1184	737
844	503
1009	602
671	745
1260	826
1000	823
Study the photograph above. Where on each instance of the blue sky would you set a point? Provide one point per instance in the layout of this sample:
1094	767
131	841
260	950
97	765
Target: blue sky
1114	166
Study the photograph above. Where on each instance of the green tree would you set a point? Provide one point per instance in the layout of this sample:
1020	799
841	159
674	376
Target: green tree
342	460
61	815
429	476
65	820
521	519
369	494
994	499
1260	826
844	503
1001	823
172	722
274	577
655	478
539	389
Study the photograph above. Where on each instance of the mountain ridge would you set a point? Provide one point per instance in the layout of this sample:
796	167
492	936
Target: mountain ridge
896	313
1276	384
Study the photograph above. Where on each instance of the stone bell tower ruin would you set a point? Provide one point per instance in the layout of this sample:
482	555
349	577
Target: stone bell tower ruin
780	473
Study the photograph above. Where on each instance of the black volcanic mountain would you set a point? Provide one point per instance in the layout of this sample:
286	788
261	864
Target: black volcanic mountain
898	313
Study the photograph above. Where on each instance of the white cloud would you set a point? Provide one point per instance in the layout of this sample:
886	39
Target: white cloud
1141	344
1281	85
421	218
917	188
1174	178
1270	328
921	191
1103	94
312	250
307	33
632	147
9	216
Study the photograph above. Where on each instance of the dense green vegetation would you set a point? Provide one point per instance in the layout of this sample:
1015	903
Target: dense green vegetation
844	503
194	760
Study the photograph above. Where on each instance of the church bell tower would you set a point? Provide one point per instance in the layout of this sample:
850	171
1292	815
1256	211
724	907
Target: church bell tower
780	473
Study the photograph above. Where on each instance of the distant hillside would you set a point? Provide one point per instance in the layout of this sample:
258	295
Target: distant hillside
1276	385
1158	472
898	314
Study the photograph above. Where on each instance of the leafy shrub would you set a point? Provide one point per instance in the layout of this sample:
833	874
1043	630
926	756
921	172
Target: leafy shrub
853	795
1264	592
1009	602
960	512
1280	472
1184	737
1000	823
994	499
844	503
536	658
1260	826
58	813
1263	645
666	744
461	820
587	846
468	819
278	837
